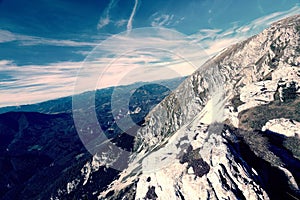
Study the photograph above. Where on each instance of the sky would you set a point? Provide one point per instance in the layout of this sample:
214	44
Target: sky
55	48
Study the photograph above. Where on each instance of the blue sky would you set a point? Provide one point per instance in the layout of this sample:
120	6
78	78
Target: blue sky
43	43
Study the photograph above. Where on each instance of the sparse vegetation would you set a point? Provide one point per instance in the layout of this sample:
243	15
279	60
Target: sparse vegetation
194	160
293	145
236	102
259	145
151	193
256	118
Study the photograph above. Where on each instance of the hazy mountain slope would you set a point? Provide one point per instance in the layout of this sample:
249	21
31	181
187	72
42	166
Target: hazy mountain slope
41	153
64	104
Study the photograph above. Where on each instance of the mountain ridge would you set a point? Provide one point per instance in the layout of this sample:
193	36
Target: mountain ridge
259	62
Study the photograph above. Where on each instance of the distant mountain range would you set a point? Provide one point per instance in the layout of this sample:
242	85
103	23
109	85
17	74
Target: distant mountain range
40	148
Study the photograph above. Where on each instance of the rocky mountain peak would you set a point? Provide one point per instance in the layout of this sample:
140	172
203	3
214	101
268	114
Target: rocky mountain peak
272	55
181	153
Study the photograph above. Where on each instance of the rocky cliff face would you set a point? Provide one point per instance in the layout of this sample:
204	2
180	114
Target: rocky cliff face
180	153
269	59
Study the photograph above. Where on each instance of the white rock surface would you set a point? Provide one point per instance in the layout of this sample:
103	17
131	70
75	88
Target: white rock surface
256	94
169	176
287	127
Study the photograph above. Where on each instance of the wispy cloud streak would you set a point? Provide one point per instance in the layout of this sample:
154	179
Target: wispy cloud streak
105	19
33	83
27	40
214	40
130	20
161	20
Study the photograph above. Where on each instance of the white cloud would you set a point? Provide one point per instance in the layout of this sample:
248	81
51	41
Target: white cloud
149	57
214	40
121	22
7	36
84	53
105	18
32	83
162	20
103	22
5	63
259	24
205	34
138	55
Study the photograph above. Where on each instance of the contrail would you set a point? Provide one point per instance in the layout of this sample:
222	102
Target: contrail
129	24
